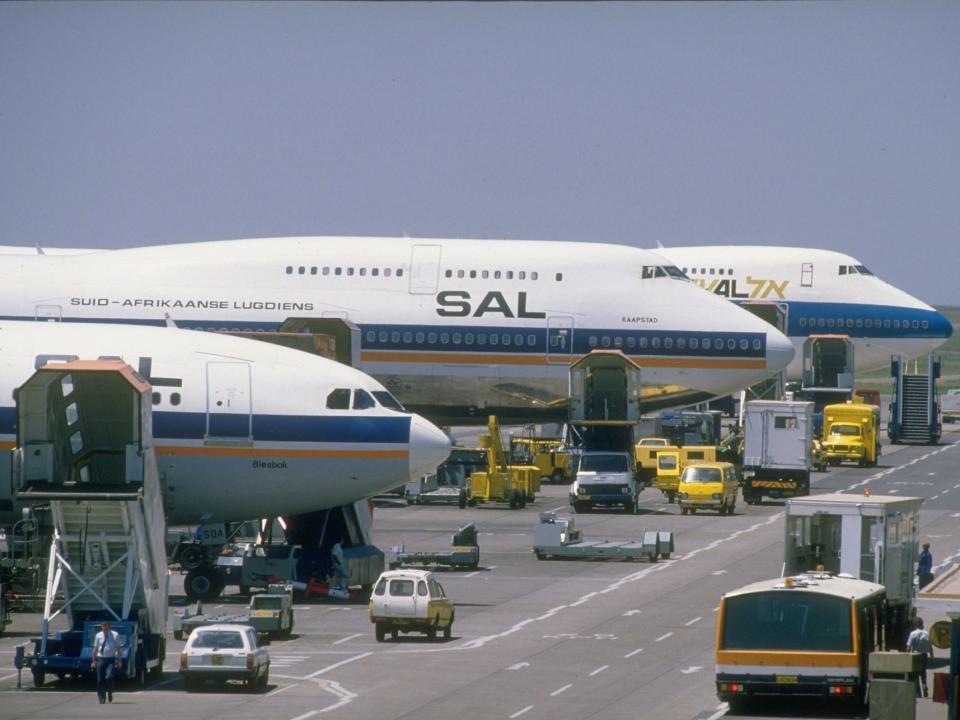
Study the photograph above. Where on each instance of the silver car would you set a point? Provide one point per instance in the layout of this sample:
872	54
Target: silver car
224	652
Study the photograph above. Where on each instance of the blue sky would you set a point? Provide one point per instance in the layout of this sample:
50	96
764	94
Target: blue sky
814	124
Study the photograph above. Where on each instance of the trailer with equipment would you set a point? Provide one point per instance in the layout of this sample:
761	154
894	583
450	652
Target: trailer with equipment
464	552
556	537
85	445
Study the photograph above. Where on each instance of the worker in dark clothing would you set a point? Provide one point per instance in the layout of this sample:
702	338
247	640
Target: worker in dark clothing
925	566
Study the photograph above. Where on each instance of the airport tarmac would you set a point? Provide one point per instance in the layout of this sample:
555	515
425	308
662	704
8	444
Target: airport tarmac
532	639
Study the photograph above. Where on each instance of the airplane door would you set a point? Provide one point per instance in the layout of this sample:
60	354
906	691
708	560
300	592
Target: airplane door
228	401
424	269
806	275
559	340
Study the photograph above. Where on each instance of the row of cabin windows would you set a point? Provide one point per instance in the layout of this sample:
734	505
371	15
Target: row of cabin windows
518	340
347	271
709	271
497	274
669	343
456	338
869	323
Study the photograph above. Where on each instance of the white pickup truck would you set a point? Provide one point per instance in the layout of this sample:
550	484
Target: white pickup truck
605	479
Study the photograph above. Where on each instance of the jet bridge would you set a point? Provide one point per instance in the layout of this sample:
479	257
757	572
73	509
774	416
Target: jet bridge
85	446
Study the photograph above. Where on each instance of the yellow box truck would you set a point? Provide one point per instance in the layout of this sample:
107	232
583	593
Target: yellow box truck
851	434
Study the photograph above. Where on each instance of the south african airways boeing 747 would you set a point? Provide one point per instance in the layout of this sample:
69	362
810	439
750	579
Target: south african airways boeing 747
456	329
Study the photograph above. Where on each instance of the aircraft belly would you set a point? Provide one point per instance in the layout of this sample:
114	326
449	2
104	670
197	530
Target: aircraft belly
269	485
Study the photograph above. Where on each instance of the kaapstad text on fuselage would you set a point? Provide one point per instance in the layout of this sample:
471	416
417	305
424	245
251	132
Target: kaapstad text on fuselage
456	329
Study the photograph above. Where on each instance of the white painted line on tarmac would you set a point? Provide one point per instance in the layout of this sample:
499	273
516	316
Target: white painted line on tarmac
328	668
599	670
894	491
632	653
721	711
558	508
628	613
348	638
280	690
934	497
695	620
561	689
306	715
518	713
9	677
617	585
346	697
664	637
168	681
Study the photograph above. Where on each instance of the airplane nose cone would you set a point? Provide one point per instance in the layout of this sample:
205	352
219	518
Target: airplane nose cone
780	350
428	446
940	325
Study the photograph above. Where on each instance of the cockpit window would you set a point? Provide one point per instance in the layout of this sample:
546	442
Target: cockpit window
339	399
388	401
362	400
652	271
854	270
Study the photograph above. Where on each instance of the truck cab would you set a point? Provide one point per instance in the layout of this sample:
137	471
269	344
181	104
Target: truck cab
850	434
607	479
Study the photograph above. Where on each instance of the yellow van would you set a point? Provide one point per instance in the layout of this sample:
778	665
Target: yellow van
708	486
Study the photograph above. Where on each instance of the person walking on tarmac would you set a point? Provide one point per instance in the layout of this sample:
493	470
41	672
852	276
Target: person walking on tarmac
925	566
106	656
919	642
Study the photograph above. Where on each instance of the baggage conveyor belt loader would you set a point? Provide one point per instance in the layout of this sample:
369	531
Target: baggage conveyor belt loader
85	445
556	537
464	552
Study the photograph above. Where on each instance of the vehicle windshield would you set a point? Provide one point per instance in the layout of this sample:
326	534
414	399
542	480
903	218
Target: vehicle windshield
787	620
658	442
702	475
603	463
227	639
849	430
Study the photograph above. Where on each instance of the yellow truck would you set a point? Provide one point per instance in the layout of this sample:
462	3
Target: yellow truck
851	434
645	457
546	453
501	482
672	461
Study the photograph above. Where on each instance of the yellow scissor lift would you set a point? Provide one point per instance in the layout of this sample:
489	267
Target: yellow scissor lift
501	482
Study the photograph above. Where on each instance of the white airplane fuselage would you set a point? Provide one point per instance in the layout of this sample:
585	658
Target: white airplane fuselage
456	329
241	428
819	292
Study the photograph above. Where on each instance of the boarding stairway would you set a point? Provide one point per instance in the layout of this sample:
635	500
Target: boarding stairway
914	412
84	447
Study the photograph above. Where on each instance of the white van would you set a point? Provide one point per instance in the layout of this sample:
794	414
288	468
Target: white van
410	601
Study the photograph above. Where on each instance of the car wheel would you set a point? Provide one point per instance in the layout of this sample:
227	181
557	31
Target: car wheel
178	634
394	634
557	477
448	631
670	496
684	511
381	632
192	684
156	672
462	499
265	678
39	677
693	511
190	557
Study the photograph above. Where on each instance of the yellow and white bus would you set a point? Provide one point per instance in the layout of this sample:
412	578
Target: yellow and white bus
807	635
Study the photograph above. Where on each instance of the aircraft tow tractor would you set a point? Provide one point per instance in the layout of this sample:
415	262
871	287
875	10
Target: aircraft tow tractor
556	537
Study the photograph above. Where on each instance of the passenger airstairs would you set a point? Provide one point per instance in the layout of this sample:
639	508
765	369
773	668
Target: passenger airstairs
85	446
914	413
